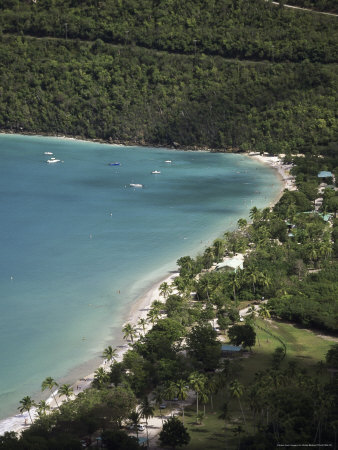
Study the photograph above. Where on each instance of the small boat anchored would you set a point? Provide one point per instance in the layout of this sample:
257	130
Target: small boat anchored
136	185
48	153
114	164
53	160
168	161
155	171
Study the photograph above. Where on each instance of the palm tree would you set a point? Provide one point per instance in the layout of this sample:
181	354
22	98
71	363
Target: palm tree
209	257
65	390
252	276
264	279
158	397
147	411
236	390
200	417
197	382
237	431
165	289
143	322
26	405
129	331
170	390
204	397
224	414
50	383
43	407
181	393
264	313
135	417
219	248
109	353
213	388
100	376
254	214
153	315
234	282
242	223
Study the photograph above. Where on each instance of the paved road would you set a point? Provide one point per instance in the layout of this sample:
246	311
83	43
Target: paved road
306	9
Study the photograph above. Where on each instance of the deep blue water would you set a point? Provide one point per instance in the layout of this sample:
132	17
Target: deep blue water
73	234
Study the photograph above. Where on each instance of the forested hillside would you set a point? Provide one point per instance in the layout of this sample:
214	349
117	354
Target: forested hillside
330	6
241	29
221	74
128	93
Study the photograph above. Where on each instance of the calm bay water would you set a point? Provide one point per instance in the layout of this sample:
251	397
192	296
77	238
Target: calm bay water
74	234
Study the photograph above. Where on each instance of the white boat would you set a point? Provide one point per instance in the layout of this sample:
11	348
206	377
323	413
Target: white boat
53	160
155	171
136	185
168	161
48	153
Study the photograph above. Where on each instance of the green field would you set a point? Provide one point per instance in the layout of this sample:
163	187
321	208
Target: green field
303	346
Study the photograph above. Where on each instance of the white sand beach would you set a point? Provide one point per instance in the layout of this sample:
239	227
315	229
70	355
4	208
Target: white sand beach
139	310
276	162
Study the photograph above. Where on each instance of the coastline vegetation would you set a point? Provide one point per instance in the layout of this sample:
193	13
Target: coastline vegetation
226	75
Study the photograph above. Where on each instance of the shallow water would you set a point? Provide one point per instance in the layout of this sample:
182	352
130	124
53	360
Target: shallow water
79	245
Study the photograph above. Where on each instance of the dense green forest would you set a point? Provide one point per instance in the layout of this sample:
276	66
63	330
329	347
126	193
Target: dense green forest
318	5
126	93
219	74
242	29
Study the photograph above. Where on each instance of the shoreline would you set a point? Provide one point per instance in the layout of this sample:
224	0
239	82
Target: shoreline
140	307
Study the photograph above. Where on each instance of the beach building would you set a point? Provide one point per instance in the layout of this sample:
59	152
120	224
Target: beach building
230	350
325	174
234	263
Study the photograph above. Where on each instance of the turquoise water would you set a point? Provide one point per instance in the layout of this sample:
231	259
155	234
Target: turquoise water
74	234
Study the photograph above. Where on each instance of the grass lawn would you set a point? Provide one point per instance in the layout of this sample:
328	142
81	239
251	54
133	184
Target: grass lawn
303	346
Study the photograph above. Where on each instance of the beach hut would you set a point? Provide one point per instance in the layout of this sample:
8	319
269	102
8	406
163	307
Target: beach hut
325	174
230	350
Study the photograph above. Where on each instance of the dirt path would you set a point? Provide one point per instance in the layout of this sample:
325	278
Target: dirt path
305	9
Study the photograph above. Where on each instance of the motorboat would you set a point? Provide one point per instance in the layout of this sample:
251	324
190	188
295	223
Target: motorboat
155	171
53	160
168	161
114	164
136	185
48	153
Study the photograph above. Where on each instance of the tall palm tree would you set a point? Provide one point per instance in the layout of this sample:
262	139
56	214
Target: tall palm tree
236	390
66	391
135	417
26	405
165	289
50	383
213	388
129	331
197	382
264	280
209	257
224	414
109	353
204	397
181	392
252	276
158	397
234	283
143	322
219	248
147	411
